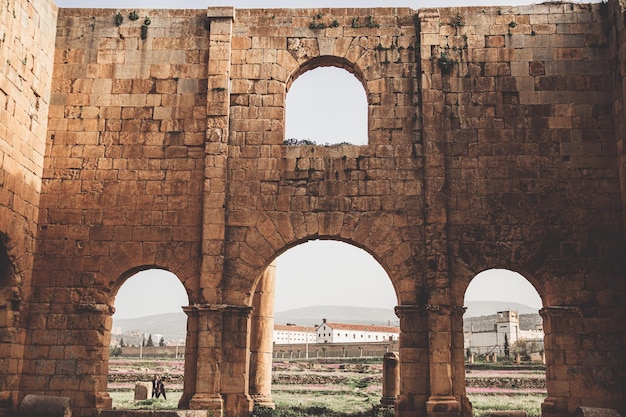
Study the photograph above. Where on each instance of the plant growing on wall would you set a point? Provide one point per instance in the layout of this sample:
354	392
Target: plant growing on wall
446	63
371	23
118	19
315	24
144	28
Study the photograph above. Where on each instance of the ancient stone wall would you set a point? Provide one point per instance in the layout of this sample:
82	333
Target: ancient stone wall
123	182
27	48
524	119
493	143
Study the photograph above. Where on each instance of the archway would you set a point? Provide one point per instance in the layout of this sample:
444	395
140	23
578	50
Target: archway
322	284
148	339
327	105
503	342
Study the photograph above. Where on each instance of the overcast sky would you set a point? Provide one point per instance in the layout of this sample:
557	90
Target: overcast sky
317	272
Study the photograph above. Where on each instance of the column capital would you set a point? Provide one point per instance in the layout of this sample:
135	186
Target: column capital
406	310
435	309
445	309
561	311
197	309
95	308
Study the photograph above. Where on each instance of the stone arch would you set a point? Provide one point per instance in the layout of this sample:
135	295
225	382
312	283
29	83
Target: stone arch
327	61
472	261
275	233
125	276
127	259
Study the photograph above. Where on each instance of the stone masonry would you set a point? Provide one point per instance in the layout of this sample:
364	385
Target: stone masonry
496	140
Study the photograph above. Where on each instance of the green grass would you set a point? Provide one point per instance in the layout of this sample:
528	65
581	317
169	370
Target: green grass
350	402
482	404
124	400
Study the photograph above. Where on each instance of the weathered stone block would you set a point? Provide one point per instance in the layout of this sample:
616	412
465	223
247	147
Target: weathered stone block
143	390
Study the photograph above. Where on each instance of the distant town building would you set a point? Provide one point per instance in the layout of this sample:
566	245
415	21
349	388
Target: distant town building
355	333
506	329
289	334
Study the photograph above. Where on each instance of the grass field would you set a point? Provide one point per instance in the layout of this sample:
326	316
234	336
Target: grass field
332	403
331	391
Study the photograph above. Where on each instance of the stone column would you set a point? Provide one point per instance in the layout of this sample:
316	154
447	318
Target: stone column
560	326
413	361
261	339
236	360
458	359
391	378
441	401
203	352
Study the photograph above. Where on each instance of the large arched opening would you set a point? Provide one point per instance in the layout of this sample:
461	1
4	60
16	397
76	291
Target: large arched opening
148	336
333	311
504	343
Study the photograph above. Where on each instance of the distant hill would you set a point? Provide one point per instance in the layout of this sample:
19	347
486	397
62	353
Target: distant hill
486	308
309	316
479	314
172	326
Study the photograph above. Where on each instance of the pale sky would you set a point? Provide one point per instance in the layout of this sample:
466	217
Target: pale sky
306	272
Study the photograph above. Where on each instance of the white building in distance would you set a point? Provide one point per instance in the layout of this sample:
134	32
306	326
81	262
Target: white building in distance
289	334
506	328
355	333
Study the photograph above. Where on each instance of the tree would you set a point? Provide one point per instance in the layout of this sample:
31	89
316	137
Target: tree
506	346
116	351
162	342
122	344
150	343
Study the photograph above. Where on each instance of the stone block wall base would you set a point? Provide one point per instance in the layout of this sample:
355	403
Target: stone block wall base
410	405
103	401
264	401
443	407
554	407
443	414
212	402
45	406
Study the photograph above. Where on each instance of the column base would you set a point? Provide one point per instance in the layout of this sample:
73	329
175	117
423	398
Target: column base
554	407
207	402
443	406
104	401
388	401
263	400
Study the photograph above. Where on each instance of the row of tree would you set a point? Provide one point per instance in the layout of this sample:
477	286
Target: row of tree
144	342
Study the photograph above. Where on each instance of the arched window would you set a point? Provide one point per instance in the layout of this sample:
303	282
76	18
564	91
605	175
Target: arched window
327	105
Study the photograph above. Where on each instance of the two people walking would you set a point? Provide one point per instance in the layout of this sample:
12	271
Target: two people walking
158	388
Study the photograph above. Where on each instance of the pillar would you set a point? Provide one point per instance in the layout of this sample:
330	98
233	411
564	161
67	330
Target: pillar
391	379
458	359
441	401
203	353
236	360
561	327
261	339
413	361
